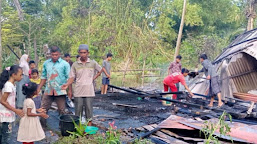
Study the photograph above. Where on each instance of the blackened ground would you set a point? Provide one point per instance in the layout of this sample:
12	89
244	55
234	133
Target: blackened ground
147	111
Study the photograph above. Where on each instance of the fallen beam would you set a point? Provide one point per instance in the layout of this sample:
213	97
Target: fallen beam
124	105
140	93
237	115
149	133
217	99
184	103
126	90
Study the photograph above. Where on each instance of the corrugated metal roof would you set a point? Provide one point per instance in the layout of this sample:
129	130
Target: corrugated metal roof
237	66
242	42
239	132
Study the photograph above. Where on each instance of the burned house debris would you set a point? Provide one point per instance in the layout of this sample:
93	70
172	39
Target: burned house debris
236	66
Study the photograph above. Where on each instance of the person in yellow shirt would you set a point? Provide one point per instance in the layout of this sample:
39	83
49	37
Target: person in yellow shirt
35	78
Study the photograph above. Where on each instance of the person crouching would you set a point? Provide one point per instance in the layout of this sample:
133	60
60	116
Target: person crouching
171	80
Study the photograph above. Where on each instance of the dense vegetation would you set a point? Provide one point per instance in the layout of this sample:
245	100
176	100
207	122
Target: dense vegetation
133	30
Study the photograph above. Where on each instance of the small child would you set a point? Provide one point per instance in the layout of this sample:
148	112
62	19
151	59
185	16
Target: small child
8	94
30	129
35	79
32	65
106	73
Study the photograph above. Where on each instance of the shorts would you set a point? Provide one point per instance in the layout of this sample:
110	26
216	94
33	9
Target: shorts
214	86
105	81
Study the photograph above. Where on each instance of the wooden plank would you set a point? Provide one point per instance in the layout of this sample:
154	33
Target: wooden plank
154	125
165	137
128	133
125	105
177	136
140	129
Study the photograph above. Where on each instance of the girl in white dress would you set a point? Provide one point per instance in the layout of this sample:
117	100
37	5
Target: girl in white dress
30	129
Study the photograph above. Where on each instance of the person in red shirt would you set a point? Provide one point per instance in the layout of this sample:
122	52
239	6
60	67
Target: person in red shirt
171	80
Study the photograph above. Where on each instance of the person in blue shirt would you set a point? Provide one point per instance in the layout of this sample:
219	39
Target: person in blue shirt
55	73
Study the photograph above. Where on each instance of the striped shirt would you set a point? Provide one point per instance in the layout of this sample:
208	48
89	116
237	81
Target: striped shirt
84	75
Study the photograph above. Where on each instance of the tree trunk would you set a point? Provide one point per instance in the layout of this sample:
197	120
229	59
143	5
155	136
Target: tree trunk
251	14
180	30
1	65
29	39
25	49
35	51
19	10
89	23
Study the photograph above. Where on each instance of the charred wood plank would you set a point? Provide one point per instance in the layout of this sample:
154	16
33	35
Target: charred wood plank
149	133
140	93
181	137
157	140
126	90
125	105
184	103
236	115
208	97
163	136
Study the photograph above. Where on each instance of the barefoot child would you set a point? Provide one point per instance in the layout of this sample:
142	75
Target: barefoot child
35	79
30	129
7	107
106	73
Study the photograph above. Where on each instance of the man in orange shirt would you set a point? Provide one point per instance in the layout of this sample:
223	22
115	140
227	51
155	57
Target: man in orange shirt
171	80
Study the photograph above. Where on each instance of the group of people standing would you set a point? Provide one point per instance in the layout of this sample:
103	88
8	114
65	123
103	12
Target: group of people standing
177	74
57	75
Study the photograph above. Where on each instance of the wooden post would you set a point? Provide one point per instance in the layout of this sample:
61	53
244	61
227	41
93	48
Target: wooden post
143	72
180	30
125	71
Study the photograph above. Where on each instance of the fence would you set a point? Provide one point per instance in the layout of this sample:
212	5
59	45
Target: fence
142	71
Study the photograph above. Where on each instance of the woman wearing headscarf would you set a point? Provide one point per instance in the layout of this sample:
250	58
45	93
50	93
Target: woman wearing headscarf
25	67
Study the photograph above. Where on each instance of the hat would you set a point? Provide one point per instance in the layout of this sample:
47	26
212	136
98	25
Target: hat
83	47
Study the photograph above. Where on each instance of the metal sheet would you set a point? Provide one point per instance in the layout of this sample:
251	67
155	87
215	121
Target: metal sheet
173	122
252	51
242	63
239	132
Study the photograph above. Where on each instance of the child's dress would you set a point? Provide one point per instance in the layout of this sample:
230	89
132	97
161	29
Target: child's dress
30	129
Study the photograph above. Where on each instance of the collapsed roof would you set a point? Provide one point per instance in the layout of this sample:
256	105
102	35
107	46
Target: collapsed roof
237	68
